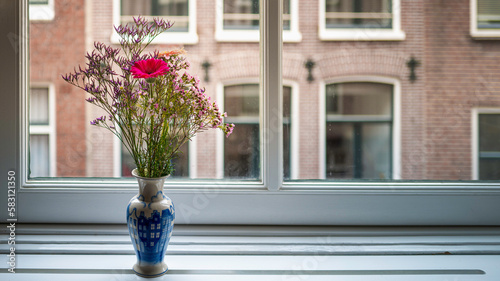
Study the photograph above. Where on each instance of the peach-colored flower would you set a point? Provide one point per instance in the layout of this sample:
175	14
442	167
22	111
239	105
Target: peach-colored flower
172	53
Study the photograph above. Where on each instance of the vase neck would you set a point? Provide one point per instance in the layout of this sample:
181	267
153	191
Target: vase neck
151	190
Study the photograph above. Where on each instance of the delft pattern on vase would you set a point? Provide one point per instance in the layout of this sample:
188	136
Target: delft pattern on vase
150	220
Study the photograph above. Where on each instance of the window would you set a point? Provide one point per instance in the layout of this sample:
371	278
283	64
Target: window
180	12
238	21
485	18
41	10
359	130
270	199
487	146
360	20
242	149
42	132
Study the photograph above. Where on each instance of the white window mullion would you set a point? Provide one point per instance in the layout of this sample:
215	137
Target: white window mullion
271	93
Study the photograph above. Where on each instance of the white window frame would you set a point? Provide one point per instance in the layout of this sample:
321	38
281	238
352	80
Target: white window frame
221	35
267	202
480	33
294	119
396	119
50	128
168	37
362	34
42	12
475	136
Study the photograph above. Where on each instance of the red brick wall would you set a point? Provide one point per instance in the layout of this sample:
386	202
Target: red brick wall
456	73
462	73
55	45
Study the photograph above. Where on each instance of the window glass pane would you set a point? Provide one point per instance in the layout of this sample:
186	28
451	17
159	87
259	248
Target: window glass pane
358	151
489	168
358	13
359	99
489	132
242	149
358	148
287	131
174	10
241	14
244	14
286	14
39	156
83	150
489	146
39	106
38	2
488	14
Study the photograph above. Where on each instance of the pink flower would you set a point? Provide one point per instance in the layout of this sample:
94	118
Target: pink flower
149	68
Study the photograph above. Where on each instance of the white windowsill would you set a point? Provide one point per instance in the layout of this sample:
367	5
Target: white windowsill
263	253
361	34
486	34
253	36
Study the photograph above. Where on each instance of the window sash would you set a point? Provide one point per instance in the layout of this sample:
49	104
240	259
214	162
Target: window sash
300	202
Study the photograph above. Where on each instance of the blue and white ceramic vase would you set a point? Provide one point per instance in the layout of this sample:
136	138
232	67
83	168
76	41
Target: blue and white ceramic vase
150	217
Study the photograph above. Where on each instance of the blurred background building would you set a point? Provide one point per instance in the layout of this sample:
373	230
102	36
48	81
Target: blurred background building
372	89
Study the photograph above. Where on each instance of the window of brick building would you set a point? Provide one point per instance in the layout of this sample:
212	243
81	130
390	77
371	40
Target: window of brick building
238	20
485	18
242	149
42	132
359	130
41	9
487	148
181	12
360	20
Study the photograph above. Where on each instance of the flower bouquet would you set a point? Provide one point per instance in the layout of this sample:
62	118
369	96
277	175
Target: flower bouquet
153	105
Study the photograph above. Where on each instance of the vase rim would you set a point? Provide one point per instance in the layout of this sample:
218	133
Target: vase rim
136	175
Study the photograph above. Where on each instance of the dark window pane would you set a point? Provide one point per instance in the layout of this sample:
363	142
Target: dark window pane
241	14
489	132
489	168
359	99
174	10
244	14
287	126
242	100
340	150
488	14
358	14
358	150
359	130
38	2
242	152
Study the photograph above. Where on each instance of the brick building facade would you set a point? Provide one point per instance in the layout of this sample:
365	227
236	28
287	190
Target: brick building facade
431	118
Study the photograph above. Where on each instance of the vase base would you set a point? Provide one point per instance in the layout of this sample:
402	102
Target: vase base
150	271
